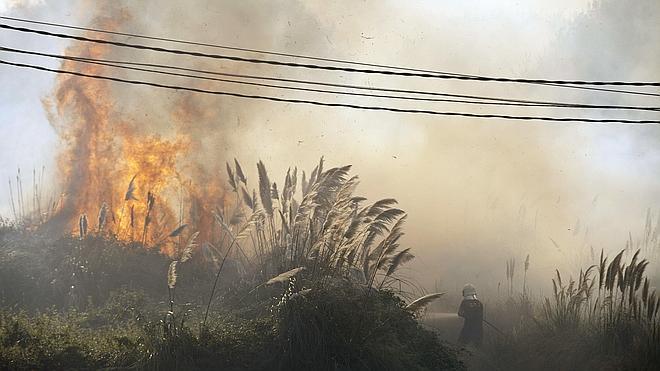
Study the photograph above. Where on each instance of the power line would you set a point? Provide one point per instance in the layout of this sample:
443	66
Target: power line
299	56
619	91
327	104
120	64
348	86
328	68
227	47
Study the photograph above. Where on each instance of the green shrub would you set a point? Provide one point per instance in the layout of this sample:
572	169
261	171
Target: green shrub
56	342
342	326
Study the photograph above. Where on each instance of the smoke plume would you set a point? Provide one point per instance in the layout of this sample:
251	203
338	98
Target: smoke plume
478	192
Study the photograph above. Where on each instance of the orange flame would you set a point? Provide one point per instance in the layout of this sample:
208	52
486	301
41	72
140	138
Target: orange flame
103	153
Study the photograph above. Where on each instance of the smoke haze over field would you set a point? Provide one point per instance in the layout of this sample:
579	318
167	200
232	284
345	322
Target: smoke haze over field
477	191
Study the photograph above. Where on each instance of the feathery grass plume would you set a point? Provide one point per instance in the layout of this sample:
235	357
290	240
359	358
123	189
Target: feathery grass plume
82	226
613	271
289	188
320	167
380	223
378	226
151	200
186	254
422	302
284	223
340	208
249	201
645	290
601	270
329	183
399	259
312	176
379	206
239	172
264	189
525	275
381	254
327	230
316	173
274	193
103	213
639	273
171	275
130	192
527	263
177	231
283	277
287	184
303	184
293	183
232	178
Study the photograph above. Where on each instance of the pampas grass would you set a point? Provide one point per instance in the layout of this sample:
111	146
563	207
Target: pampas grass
26	208
623	295
103	215
264	189
286	276
331	231
82	226
130	192
177	231
151	200
186	254
422	302
171	275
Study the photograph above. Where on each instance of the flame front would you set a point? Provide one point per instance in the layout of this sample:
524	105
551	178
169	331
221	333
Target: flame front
104	151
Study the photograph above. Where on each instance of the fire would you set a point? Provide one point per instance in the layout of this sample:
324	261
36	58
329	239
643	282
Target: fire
105	153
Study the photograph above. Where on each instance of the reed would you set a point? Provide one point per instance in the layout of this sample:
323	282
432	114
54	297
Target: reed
26	204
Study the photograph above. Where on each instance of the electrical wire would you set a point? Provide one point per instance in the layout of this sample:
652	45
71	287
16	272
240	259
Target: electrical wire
328	104
291	55
121	65
325	67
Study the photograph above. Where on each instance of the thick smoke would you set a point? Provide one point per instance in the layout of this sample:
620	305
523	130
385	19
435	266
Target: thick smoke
478	192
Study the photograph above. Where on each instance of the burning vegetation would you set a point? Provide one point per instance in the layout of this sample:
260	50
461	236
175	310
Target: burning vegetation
283	269
294	271
155	252
104	153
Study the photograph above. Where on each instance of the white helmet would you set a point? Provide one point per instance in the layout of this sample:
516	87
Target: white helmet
469	289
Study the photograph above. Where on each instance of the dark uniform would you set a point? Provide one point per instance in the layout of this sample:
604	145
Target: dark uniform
473	312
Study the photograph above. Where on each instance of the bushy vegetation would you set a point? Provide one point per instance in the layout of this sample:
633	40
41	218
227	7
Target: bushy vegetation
309	288
605	319
305	277
337	326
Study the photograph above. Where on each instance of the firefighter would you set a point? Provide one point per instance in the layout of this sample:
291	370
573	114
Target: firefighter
472	312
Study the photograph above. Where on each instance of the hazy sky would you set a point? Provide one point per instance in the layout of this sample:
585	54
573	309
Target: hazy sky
478	191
